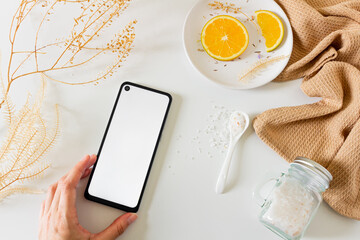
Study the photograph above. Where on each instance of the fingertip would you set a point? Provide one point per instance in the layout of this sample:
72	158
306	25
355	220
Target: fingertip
86	158
93	157
89	160
131	218
118	227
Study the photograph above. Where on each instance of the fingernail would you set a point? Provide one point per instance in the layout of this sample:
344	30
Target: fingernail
131	218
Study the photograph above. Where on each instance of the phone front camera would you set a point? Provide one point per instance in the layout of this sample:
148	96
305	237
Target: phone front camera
127	88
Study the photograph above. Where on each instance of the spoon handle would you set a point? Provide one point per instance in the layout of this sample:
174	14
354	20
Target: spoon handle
220	185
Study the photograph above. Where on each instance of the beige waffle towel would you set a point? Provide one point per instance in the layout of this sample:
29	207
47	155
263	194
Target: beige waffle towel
327	55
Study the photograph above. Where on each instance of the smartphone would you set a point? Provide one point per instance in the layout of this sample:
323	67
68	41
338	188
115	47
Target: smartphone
128	148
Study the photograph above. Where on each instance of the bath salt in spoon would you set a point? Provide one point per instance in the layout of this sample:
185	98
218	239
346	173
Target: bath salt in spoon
238	123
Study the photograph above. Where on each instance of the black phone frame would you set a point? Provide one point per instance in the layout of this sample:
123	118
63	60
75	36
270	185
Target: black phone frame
90	197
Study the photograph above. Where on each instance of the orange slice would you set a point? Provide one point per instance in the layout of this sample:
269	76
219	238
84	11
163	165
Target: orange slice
272	28
224	38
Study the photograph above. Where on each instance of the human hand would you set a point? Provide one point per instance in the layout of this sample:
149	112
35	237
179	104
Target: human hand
58	216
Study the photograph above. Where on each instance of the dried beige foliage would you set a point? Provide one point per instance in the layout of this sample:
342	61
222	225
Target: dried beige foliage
258	66
27	140
28	137
227	7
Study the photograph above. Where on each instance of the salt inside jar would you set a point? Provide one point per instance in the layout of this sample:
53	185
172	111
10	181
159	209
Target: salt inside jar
295	198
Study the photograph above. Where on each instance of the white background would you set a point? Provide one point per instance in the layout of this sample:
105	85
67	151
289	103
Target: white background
179	202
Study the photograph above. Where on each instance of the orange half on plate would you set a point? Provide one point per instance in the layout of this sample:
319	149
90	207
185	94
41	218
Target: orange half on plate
224	38
272	28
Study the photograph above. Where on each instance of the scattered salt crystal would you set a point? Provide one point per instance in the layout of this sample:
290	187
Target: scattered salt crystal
216	130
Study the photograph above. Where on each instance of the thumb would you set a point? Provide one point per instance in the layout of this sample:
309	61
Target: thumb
117	227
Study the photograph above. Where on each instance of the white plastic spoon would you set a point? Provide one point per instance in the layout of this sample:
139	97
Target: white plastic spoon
238	123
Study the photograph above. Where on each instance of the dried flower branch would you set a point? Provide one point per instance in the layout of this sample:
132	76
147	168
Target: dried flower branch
77	49
231	8
26	142
259	65
28	137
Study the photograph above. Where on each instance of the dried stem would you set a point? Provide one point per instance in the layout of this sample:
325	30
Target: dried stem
259	65
37	33
30	54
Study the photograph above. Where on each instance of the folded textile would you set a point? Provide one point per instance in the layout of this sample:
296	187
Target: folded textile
327	55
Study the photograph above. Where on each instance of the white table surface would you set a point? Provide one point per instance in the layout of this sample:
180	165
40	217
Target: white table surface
179	201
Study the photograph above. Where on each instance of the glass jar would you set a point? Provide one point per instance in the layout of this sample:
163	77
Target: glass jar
294	199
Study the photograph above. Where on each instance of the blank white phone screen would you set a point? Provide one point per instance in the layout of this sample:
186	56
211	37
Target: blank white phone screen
129	146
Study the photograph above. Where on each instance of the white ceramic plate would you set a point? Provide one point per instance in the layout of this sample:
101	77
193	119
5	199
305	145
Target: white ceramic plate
227	73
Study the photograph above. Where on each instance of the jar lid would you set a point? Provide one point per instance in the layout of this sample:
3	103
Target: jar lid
315	167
